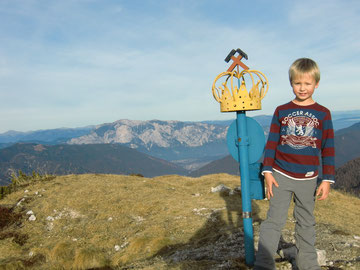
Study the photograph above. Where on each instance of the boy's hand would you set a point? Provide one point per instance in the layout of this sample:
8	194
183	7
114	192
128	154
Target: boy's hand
323	190
269	182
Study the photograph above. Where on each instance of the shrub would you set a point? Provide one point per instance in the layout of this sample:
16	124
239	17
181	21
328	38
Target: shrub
21	179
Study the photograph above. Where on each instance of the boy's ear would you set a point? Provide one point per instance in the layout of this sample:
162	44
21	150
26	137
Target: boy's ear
317	84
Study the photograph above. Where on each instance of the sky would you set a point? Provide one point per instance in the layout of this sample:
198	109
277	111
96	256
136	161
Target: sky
74	63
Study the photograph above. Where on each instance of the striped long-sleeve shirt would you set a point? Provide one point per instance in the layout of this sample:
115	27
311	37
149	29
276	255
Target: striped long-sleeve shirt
298	135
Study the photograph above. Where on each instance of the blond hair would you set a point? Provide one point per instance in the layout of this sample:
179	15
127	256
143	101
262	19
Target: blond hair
302	66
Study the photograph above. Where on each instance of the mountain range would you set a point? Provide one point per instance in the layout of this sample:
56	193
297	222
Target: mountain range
346	149
194	148
49	136
184	143
79	159
341	119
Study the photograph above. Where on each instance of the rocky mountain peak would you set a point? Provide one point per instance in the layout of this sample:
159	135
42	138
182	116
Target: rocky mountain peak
154	133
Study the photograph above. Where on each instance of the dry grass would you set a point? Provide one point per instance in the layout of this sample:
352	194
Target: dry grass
115	221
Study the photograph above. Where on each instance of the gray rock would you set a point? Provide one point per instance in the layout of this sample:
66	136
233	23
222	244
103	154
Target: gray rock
321	256
221	188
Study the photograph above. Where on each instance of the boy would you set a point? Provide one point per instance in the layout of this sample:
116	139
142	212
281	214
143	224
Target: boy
300	130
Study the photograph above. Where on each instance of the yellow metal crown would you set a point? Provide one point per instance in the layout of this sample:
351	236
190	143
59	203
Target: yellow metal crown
237	98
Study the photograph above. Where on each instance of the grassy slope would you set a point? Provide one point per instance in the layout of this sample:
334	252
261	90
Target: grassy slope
93	221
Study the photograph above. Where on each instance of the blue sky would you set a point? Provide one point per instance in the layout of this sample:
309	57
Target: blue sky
73	63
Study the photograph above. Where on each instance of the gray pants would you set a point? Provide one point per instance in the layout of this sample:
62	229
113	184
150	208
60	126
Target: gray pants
270	229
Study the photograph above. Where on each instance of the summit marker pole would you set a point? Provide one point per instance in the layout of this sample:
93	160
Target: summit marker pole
243	142
236	98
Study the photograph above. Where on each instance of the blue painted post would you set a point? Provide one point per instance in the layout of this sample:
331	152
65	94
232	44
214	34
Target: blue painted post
233	99
243	143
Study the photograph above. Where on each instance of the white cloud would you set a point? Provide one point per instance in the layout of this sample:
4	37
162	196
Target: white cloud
101	61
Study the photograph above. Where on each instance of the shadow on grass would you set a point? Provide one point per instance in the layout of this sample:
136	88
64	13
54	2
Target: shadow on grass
218	244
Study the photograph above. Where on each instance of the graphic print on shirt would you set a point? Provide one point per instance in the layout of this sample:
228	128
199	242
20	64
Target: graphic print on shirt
299	129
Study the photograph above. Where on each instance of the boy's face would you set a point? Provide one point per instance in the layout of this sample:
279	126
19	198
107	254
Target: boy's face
304	86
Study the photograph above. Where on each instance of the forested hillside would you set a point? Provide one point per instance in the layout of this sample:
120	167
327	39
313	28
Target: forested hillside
348	177
78	159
